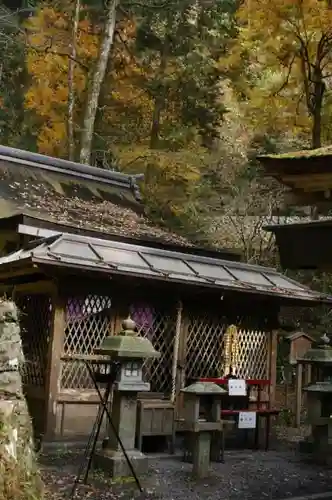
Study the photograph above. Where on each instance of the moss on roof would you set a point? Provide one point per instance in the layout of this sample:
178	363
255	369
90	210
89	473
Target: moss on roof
108	211
299	155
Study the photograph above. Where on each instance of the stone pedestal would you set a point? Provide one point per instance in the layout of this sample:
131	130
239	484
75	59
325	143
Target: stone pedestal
111	459
201	454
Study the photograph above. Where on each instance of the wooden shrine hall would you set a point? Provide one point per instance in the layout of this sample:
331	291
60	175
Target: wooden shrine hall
78	255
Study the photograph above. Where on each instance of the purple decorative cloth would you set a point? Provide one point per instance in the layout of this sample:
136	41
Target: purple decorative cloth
143	316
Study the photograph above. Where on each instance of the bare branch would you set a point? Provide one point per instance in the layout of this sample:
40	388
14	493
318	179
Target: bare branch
47	49
150	7
286	81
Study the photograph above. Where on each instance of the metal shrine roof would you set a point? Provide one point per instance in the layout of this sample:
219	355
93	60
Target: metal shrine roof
87	253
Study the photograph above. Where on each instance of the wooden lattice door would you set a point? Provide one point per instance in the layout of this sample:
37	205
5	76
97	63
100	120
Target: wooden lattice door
88	322
158	325
35	314
205	350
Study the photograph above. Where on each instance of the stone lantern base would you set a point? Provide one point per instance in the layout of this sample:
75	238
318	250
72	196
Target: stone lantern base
114	463
319	444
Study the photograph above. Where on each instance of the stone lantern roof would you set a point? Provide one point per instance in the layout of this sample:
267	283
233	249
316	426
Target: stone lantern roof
128	344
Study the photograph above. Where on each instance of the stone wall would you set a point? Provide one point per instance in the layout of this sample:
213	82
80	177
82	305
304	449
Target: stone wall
19	476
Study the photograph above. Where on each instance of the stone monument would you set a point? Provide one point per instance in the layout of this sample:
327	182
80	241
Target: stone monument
202	444
130	351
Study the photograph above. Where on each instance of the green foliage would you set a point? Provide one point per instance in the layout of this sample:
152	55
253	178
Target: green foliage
185	40
12	81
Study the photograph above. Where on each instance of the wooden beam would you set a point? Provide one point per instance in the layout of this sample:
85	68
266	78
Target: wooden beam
308	178
36	287
120	311
298	394
53	373
273	348
307	199
11	273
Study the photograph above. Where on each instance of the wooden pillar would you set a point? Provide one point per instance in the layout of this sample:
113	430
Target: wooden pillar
298	394
181	364
307	374
53	373
121	309
273	352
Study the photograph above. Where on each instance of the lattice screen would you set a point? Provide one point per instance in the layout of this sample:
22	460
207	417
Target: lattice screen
35	321
158	326
206	347
252	354
88	321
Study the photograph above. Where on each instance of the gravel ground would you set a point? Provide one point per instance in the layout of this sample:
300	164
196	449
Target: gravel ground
245	475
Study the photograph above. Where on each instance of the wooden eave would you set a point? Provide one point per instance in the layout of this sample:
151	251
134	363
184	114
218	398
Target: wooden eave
19	268
307	174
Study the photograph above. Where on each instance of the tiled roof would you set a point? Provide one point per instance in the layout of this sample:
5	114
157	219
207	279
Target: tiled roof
74	194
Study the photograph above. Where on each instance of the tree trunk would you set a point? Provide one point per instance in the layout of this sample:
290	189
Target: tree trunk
71	83
316	133
96	82
316	143
316	113
155	127
315	105
159	102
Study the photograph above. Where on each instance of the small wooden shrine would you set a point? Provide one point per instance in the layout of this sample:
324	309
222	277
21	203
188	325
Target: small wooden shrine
299	343
79	255
307	177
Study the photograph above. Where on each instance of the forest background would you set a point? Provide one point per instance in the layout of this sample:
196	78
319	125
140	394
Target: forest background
187	92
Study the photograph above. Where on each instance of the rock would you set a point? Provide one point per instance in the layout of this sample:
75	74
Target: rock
19	476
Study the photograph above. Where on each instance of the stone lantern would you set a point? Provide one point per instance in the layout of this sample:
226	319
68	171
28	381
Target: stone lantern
319	402
130	351
202	420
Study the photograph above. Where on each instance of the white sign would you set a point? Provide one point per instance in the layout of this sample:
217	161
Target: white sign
237	387
247	420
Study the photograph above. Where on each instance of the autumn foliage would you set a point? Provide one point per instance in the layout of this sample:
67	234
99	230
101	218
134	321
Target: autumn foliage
284	48
47	60
127	103
191	90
